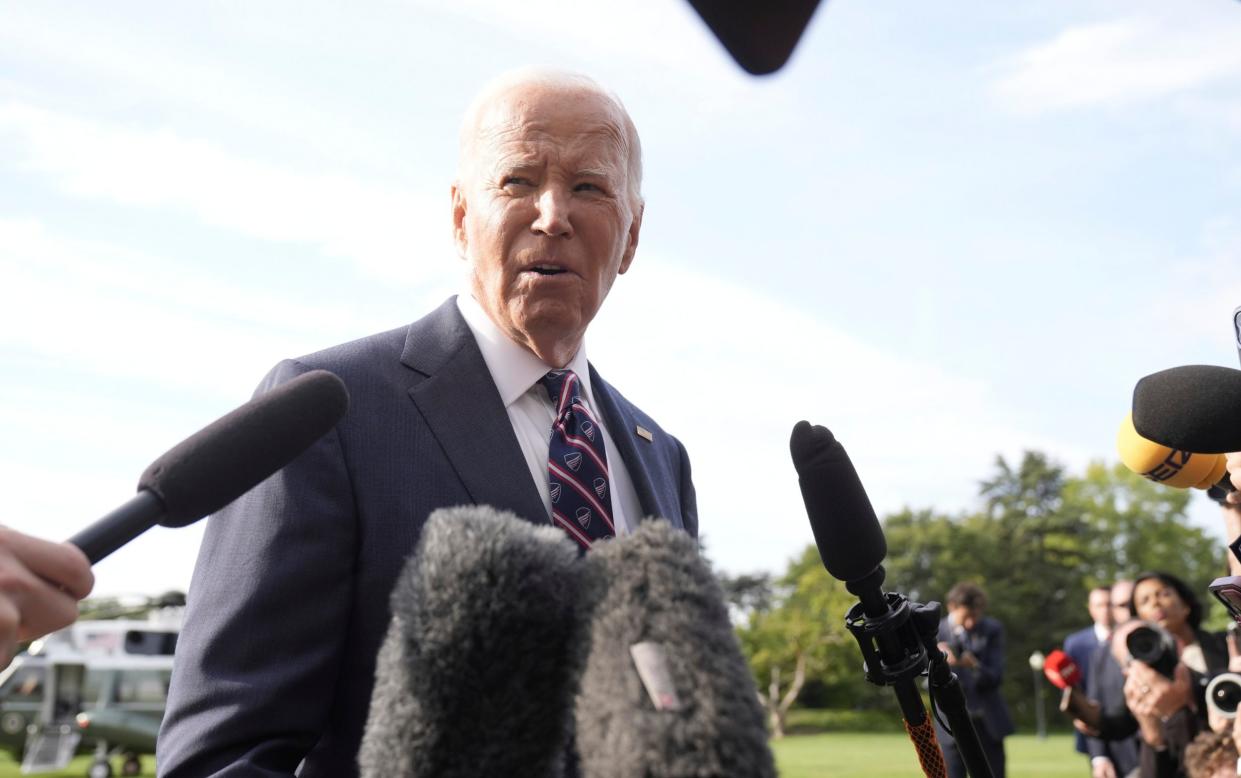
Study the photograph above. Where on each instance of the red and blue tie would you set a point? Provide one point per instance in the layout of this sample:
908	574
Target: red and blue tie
577	464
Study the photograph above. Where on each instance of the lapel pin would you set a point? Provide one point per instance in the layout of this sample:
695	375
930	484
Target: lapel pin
643	432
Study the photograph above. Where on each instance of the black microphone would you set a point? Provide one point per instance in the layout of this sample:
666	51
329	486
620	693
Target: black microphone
1190	408
666	692
477	673
223	460
847	532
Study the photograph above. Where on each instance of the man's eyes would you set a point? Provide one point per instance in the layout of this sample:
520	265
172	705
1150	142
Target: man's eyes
516	181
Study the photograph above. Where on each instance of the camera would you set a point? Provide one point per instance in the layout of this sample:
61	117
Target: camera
1228	591
1153	646
1224	694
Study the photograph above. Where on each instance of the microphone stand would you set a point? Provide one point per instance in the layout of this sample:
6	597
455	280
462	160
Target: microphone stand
898	642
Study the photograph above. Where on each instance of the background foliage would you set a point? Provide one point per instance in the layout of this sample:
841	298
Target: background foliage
1039	540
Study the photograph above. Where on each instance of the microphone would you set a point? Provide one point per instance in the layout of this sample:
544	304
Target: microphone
850	541
665	692
223	460
1061	670
1190	408
1168	466
477	672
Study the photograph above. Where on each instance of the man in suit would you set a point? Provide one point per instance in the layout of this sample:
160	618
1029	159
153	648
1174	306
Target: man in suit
1104	682
1082	645
974	643
289	600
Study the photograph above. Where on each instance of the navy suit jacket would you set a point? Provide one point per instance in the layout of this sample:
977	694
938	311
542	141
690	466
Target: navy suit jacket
1081	647
1106	686
982	684
289	600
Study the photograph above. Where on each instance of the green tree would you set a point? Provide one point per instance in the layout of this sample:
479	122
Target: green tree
800	635
1139	525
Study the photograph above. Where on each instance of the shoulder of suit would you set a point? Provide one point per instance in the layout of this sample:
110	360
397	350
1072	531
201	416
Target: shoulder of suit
635	415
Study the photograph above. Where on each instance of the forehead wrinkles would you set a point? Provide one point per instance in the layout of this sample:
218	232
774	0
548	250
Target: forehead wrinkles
582	132
594	147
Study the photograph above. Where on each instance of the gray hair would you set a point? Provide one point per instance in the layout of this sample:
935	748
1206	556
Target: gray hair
557	79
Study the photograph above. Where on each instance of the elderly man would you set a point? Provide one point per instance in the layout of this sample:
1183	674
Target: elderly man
289	600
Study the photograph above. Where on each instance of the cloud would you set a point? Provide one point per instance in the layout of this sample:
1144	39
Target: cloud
122	314
380	227
729	370
1121	62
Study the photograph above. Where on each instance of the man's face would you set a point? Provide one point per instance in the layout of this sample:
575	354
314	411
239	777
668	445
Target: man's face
1100	607
1120	597
965	617
544	213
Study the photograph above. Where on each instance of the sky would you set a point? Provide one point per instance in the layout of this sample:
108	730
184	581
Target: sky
947	231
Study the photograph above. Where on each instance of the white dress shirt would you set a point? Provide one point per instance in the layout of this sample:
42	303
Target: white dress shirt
516	373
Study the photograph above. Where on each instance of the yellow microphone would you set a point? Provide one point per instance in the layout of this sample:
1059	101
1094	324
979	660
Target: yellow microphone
1169	466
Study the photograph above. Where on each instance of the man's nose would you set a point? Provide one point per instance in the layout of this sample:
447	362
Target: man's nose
553	218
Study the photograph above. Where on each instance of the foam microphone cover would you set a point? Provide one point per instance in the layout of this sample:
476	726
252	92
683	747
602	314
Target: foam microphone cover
1170	467
478	670
230	456
660	591
1192	408
846	530
1061	670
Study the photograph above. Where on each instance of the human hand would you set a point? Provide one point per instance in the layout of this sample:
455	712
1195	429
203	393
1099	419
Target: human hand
40	585
1236	733
1150	694
947	649
1102	767
1234	469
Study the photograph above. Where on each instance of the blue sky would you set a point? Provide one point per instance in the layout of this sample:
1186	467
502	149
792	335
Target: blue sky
945	230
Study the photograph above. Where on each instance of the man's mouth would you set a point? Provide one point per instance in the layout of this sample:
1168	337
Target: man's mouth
548	270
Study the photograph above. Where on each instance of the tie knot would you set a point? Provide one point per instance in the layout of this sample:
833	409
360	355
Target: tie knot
562	388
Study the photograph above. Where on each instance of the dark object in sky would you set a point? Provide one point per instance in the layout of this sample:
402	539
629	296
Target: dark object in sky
759	34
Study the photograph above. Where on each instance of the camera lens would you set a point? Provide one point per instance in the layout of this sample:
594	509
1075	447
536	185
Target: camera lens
1143	644
1224	694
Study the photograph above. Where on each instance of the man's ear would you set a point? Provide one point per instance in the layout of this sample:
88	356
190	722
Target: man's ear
635	227
459	236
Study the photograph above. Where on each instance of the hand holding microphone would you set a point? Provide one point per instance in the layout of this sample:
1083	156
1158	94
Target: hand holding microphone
40	585
41	581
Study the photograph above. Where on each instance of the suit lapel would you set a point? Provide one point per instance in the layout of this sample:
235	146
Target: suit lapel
456	396
641	457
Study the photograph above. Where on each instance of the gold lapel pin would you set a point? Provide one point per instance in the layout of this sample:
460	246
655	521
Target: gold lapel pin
643	432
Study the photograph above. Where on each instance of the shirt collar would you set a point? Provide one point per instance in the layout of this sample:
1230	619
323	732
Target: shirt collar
513	368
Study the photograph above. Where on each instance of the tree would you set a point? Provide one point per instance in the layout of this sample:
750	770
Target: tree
801	634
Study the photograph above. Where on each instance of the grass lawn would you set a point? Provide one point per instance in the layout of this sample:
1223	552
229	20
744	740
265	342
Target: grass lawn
845	755
836	755
76	768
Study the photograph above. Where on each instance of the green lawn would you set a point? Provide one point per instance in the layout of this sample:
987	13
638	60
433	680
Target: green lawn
76	768
837	755
845	755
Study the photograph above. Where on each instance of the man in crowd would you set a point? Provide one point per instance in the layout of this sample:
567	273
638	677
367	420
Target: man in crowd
1082	644
1105	684
289	600
974	643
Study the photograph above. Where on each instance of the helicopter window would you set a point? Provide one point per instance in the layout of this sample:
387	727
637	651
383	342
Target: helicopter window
150	643
25	684
142	686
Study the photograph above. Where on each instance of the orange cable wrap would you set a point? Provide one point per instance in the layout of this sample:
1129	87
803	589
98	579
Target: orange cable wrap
929	755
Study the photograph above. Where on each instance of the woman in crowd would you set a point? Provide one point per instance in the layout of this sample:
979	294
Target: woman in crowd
1171	711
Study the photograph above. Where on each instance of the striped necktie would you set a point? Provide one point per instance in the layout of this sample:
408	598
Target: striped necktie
577	464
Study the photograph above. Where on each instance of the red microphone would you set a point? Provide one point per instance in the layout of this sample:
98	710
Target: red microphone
1061	670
